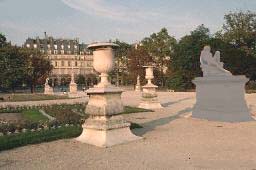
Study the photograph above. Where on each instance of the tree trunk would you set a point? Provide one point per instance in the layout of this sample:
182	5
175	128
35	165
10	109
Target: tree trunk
32	88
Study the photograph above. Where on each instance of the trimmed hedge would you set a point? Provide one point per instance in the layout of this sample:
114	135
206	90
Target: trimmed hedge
22	139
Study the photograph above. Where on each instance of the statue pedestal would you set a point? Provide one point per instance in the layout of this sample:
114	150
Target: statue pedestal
48	90
105	127
221	98
72	88
149	98
138	88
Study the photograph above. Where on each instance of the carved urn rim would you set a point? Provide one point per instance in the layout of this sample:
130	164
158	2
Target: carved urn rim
97	45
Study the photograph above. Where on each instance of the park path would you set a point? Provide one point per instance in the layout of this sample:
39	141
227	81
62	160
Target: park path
171	140
44	102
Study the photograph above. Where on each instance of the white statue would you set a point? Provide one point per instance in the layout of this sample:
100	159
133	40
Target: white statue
46	81
138	80
211	65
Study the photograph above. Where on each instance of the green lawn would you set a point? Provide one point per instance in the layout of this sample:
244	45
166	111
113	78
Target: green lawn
33	115
30	97
129	109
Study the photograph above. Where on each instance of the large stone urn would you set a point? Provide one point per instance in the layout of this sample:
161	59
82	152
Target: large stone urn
149	96
105	126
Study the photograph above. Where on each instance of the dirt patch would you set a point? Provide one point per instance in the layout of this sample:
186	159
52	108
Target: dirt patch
11	117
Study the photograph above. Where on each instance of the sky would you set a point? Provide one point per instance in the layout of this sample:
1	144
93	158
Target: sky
102	20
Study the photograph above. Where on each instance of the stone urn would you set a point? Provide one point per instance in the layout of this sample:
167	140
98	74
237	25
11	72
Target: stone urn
105	126
149	96
103	60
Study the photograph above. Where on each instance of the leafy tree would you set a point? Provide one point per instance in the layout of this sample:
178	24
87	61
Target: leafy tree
185	59
137	58
121	61
12	66
160	47
80	79
38	67
3	41
240	31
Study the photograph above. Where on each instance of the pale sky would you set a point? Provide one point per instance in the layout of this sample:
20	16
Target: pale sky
101	20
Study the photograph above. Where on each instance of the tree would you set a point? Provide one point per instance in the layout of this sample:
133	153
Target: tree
81	79
38	67
121	61
12	66
3	41
160	46
240	31
137	58
185	63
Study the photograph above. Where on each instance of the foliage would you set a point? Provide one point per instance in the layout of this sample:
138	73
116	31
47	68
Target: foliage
240	31
185	60
3	41
121	61
72	114
12	66
80	79
33	115
22	139
138	57
160	48
38	67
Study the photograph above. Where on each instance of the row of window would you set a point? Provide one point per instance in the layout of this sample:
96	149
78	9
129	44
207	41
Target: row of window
69	64
49	46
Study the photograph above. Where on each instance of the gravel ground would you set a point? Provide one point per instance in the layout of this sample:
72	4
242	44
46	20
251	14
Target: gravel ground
172	140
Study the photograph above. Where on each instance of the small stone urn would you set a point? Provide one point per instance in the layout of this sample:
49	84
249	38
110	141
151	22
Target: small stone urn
149	96
105	126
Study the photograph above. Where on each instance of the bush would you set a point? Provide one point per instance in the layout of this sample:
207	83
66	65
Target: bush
22	139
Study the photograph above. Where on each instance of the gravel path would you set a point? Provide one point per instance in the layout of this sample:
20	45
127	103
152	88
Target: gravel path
172	140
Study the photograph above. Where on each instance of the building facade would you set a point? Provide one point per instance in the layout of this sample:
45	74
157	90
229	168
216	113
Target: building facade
67	56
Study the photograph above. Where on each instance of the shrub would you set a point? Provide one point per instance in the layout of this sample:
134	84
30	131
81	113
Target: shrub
22	139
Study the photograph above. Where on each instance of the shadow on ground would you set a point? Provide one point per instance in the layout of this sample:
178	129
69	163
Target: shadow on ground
174	102
151	125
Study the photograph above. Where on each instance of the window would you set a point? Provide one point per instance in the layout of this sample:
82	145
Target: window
56	63
69	63
62	63
76	63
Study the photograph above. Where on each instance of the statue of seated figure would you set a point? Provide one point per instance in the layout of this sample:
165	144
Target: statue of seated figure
211	65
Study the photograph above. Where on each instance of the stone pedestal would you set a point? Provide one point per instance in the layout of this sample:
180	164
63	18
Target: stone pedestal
48	89
149	97
72	88
138	88
221	98
105	127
